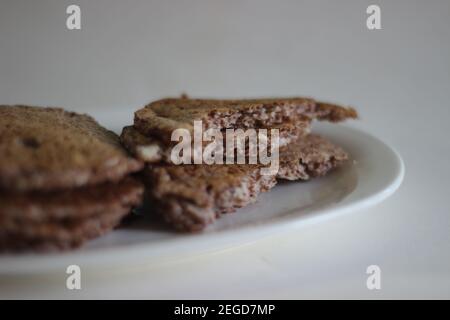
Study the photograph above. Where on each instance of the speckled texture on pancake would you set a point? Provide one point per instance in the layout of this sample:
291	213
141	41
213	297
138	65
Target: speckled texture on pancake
161	117
192	196
50	148
309	157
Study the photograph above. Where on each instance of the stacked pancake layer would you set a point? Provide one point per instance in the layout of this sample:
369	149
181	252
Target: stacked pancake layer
190	197
64	179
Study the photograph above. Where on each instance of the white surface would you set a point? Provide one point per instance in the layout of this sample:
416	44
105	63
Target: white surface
374	173
399	79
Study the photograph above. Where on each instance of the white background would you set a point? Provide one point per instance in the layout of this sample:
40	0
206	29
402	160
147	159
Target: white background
130	52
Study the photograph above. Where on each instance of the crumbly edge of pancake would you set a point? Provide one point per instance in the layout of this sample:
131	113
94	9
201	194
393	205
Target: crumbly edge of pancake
310	157
189	209
161	117
151	149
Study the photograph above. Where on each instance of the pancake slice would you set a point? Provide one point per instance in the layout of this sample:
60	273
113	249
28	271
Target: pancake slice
190	197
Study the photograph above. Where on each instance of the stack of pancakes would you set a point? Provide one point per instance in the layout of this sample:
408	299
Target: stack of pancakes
190	197
63	179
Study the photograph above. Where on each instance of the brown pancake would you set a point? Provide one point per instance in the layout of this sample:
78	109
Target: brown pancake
69	204
162	117
64	219
50	148
69	233
190	197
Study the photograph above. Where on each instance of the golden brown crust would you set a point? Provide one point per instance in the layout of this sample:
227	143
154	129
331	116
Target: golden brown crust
50	148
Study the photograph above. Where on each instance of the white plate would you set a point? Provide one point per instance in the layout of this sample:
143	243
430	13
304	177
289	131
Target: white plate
375	173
